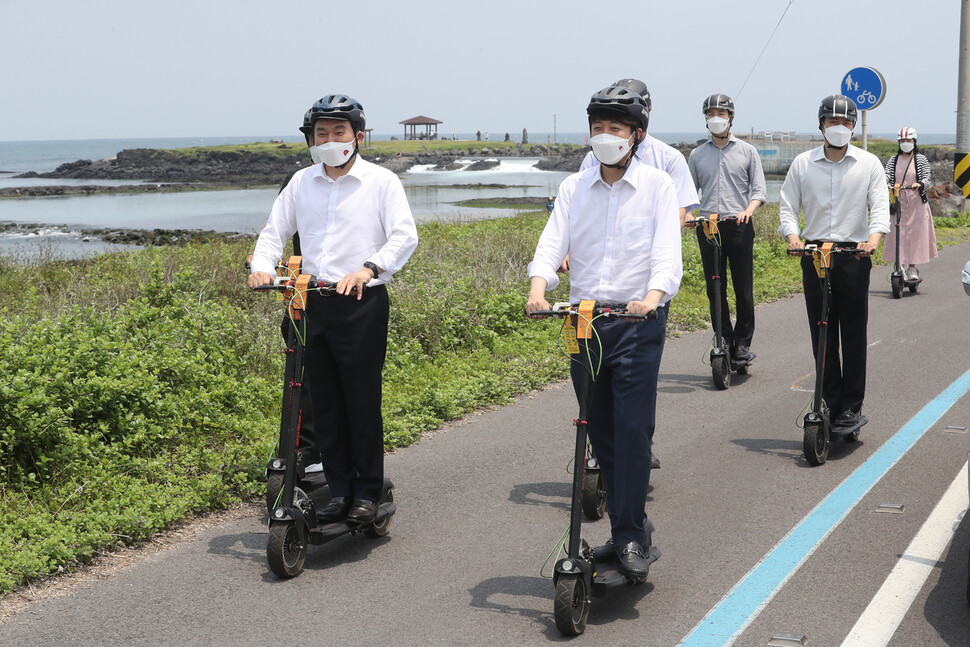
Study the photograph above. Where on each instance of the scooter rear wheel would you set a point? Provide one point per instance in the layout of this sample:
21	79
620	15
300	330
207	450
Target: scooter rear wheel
594	495
379	528
274	488
284	550
721	372
914	287
815	443
572	604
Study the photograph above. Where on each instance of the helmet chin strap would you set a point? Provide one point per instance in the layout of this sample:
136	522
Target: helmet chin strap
352	155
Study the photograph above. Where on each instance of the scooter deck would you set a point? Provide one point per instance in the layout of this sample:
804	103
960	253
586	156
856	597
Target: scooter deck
607	574
325	532
845	431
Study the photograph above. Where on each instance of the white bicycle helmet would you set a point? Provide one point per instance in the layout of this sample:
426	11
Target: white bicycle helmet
906	133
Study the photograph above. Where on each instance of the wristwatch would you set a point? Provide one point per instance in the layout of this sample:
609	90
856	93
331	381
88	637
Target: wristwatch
373	268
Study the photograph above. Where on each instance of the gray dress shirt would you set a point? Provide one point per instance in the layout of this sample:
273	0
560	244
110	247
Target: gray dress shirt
729	178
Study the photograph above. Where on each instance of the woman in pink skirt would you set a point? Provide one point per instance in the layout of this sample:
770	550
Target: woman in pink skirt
910	170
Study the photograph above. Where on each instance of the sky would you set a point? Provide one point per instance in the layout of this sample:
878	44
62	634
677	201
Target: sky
205	68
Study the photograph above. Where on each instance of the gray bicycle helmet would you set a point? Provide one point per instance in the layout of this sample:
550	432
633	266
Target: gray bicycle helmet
639	87
837	105
621	102
718	101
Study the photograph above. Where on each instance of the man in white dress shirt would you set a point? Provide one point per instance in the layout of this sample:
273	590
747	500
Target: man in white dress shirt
356	229
842	190
618	223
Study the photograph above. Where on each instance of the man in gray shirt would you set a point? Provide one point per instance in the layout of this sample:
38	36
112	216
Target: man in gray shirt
728	173
846	202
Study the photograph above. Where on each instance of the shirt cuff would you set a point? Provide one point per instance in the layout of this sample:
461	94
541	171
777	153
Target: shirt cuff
544	272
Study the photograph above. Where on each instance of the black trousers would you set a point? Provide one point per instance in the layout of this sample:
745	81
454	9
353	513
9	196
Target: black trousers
622	416
843	382
346	345
737	244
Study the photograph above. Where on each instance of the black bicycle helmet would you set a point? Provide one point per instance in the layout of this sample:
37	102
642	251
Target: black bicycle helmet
335	106
307	127
639	87
718	101
837	105
622	102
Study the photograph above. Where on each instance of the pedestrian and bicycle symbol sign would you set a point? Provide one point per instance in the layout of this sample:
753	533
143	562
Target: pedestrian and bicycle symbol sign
866	86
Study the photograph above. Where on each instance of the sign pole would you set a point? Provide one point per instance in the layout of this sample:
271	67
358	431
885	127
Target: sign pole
865	134
961	161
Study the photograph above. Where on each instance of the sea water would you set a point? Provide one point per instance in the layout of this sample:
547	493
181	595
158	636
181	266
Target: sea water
432	194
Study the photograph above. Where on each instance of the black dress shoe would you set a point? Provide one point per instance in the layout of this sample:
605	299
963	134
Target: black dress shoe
847	418
334	511
633	560
654	460
362	511
742	354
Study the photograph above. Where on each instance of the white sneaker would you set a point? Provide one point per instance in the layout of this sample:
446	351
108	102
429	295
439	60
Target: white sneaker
312	469
913	274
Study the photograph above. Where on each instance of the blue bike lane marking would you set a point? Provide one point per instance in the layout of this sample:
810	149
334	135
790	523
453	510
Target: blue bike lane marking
725	622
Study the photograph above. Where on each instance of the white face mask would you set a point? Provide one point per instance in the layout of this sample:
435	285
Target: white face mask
332	153
610	149
838	136
906	147
717	125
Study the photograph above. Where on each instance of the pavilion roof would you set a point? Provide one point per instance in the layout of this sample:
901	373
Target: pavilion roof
420	120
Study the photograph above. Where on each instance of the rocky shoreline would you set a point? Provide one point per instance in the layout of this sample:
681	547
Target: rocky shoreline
163	171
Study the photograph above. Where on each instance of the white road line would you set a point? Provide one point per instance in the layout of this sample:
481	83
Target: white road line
878	623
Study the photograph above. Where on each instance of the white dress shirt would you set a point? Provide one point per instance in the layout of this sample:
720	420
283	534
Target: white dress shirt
843	201
659	155
361	216
622	240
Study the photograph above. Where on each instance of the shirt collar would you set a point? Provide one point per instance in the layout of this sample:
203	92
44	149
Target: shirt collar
356	171
629	176
731	140
818	154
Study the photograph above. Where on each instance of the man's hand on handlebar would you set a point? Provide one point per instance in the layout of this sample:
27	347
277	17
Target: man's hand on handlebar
257	279
794	242
644	307
536	303
866	248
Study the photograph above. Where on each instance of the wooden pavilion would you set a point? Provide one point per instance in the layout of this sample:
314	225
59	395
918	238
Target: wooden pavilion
411	127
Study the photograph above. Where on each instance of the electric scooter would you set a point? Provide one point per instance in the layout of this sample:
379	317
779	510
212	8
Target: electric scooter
818	428
585	572
292	495
722	363
898	278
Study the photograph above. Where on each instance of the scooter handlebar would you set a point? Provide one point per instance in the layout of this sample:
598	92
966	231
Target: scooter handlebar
816	249
282	283
609	313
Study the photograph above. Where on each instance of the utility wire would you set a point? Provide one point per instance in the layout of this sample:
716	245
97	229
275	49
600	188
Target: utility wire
790	2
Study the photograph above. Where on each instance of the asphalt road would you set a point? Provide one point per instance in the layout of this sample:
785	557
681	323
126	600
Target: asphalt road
481	504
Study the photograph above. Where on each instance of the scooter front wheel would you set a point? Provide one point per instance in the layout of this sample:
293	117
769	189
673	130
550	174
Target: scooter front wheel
284	550
721	372
815	443
572	604
897	283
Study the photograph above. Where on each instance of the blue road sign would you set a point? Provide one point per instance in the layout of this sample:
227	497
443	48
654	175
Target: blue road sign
866	86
